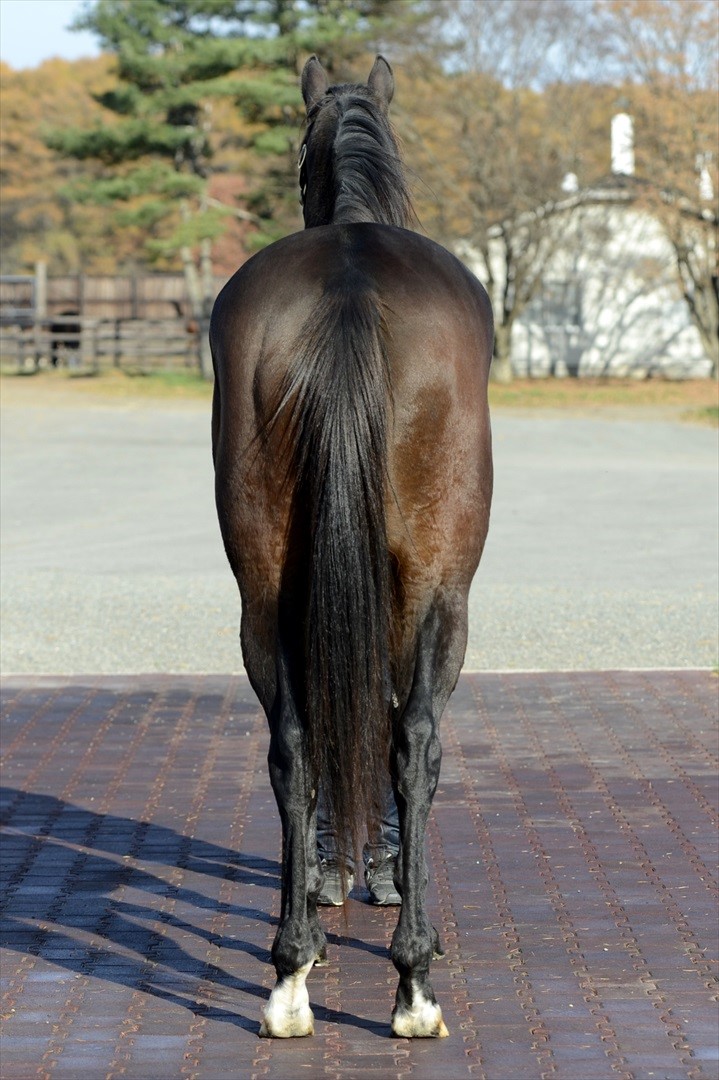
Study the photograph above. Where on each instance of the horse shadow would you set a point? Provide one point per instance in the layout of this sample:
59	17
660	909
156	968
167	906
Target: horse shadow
53	840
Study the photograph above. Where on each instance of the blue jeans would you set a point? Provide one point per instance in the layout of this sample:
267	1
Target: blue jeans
382	835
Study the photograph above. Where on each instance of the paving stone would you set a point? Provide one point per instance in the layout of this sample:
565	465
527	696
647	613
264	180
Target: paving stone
572	853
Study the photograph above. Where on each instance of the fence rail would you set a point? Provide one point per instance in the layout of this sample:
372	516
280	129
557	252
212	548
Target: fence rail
140	296
94	344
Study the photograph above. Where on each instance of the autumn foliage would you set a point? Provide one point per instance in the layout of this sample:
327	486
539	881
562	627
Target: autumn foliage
178	148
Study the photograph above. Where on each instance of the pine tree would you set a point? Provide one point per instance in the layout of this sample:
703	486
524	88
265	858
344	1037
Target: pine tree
180	63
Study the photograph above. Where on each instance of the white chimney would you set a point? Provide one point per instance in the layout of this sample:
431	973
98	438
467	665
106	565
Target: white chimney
706	188
623	144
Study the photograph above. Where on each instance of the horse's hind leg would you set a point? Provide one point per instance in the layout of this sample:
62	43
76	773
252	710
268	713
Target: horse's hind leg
299	942
416	760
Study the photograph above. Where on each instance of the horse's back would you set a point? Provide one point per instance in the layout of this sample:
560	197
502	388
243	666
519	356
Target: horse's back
436	314
437	335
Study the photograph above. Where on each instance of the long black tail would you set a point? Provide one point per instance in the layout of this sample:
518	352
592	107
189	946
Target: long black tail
337	396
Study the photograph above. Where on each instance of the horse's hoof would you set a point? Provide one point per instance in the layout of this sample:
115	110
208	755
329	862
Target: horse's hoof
288	1014
422	1021
290	1026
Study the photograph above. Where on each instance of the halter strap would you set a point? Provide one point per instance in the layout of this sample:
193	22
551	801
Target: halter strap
303	172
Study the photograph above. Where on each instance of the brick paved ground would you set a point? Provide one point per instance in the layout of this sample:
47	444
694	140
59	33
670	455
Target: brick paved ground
572	853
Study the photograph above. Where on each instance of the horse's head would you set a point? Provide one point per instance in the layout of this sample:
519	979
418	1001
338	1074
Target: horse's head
315	84
350	169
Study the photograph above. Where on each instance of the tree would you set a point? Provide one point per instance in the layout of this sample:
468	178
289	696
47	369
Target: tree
38	220
668	54
509	137
158	139
523	113
183	68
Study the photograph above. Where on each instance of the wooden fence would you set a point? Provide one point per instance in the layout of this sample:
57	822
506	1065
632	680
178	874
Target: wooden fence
140	296
142	321
94	344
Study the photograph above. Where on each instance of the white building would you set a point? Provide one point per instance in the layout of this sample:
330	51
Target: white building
609	302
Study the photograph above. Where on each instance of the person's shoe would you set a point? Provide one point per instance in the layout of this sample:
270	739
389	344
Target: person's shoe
379	879
331	893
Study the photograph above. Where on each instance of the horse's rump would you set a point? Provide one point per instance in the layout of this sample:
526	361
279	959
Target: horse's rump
355	449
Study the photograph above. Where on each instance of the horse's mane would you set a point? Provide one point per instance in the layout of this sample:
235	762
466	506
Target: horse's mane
368	179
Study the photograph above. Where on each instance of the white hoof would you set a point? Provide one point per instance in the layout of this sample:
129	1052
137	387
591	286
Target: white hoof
288	1014
292	1025
423	1020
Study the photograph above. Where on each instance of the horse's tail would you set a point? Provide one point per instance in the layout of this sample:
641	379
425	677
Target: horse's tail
337	395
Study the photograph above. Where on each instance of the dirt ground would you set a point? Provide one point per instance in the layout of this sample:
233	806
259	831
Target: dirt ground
601	553
692	401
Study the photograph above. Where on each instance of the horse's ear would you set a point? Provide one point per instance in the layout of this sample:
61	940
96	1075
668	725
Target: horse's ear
381	81
314	82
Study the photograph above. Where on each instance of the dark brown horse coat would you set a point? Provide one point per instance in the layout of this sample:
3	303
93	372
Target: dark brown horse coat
352	450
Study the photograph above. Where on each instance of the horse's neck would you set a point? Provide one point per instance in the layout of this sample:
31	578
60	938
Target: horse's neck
349	211
367	183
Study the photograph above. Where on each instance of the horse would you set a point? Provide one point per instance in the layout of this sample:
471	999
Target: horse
353	480
65	336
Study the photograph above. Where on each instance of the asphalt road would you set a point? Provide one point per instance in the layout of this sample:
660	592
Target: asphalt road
602	550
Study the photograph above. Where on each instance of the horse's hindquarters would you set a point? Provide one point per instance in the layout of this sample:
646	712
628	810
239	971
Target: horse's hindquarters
353	482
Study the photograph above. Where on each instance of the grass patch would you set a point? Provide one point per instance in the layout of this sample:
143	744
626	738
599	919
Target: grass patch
693	401
599	394
166	383
709	415
113	385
